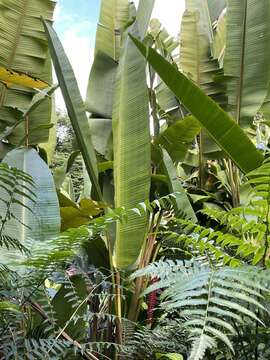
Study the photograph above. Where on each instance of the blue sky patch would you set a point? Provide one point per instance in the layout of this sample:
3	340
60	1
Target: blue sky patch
82	14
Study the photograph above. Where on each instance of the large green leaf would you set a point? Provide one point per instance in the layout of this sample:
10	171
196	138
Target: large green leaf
99	99
114	14
166	46
246	62
43	222
101	130
165	98
182	203
75	106
41	117
196	58
219	43
24	48
223	129
75	216
132	156
178	137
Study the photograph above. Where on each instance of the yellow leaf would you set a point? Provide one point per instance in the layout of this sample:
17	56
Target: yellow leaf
73	217
11	77
90	207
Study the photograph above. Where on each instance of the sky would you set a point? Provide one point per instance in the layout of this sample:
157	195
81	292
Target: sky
76	21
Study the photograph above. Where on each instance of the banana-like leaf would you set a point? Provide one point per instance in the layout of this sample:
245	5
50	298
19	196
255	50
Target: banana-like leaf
73	217
164	41
219	43
182	203
24	50
222	128
75	106
196	58
114	14
167	46
246	62
43	222
132	155
178	137
165	98
11	77
101	130
143	16
99	99
41	117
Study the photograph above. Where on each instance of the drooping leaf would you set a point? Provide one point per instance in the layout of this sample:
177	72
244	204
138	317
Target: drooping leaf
40	116
101	130
178	137
99	99
222	128
75	106
11	77
24	49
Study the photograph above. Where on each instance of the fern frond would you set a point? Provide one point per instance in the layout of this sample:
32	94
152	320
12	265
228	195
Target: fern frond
260	180
208	299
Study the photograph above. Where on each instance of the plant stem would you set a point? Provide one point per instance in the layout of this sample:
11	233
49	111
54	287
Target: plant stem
141	282
201	163
118	308
233	174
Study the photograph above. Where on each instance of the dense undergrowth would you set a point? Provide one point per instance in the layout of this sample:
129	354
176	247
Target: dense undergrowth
136	226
